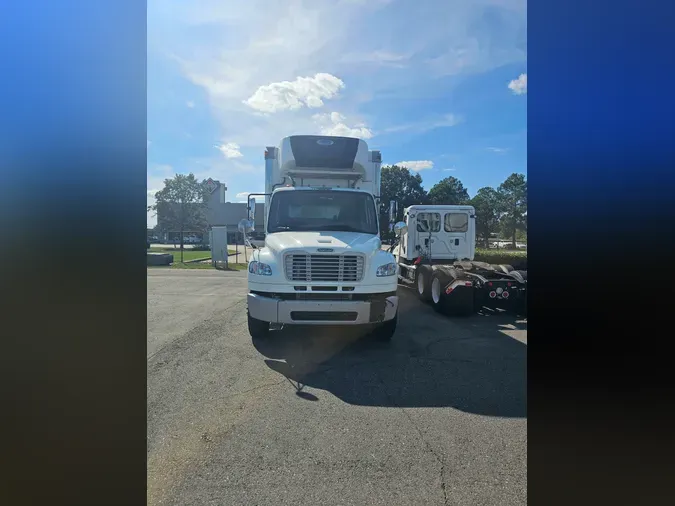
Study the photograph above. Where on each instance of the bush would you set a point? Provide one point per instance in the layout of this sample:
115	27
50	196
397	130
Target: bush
201	247
516	259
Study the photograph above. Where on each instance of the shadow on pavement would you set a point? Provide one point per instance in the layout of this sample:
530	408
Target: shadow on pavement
433	361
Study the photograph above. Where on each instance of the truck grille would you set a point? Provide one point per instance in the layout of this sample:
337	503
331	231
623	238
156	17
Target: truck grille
337	268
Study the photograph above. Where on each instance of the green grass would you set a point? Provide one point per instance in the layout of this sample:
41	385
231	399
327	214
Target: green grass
517	259
198	266
188	254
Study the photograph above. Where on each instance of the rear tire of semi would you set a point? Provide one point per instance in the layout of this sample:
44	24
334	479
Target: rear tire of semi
439	280
384	332
258	329
423	282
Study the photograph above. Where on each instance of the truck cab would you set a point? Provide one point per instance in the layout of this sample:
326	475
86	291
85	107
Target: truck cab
440	232
435	250
322	262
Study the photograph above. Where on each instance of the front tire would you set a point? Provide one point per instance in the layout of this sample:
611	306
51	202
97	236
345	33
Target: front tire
258	329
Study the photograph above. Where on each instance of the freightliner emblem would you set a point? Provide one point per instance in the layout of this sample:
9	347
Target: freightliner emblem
325	250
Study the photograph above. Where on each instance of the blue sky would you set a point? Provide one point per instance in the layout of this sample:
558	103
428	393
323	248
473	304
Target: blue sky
438	84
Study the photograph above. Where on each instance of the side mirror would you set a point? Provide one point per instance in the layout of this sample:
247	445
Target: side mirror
393	210
251	210
400	228
245	226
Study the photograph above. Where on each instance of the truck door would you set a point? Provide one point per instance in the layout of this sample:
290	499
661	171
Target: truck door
428	222
456	228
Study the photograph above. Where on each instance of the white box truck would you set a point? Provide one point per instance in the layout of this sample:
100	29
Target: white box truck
435	250
322	262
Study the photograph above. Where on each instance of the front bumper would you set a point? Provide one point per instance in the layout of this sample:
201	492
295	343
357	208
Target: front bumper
322	312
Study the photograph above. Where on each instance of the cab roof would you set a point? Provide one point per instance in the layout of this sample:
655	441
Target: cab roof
432	207
310	188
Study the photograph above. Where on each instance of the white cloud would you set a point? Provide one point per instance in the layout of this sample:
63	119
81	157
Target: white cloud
250	70
229	150
291	95
519	86
427	124
498	150
190	104
250	73
336	124
379	57
417	165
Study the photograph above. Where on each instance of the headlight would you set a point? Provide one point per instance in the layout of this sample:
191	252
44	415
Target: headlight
259	268
386	270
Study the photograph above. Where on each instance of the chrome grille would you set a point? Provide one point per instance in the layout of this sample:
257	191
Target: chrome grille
336	268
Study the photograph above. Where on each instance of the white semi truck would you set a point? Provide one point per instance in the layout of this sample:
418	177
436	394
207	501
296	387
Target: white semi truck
435	251
322	262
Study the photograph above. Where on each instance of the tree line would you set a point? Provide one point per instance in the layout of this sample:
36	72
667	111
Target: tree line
501	210
182	203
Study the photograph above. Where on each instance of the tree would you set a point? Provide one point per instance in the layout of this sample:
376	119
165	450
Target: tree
487	205
449	191
181	205
513	205
398	183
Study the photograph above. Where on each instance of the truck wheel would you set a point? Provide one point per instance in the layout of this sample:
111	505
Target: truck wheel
423	282
458	303
385	331
258	329
439	280
523	274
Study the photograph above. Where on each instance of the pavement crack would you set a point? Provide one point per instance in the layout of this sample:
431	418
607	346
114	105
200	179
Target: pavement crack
255	389
431	450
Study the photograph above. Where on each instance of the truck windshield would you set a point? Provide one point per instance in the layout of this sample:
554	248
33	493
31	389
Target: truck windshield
311	210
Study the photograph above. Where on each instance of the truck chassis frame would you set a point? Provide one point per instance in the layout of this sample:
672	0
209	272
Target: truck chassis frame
462	287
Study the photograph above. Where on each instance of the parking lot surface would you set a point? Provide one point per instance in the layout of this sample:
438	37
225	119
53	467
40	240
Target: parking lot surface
323	416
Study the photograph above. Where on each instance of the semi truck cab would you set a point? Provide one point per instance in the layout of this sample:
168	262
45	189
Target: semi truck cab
435	252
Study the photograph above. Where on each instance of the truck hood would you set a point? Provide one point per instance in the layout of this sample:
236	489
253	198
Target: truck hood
339	242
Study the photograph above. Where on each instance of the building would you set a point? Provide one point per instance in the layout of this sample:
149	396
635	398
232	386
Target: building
220	213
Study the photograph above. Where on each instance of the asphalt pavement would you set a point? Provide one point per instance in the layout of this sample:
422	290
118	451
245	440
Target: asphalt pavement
323	416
